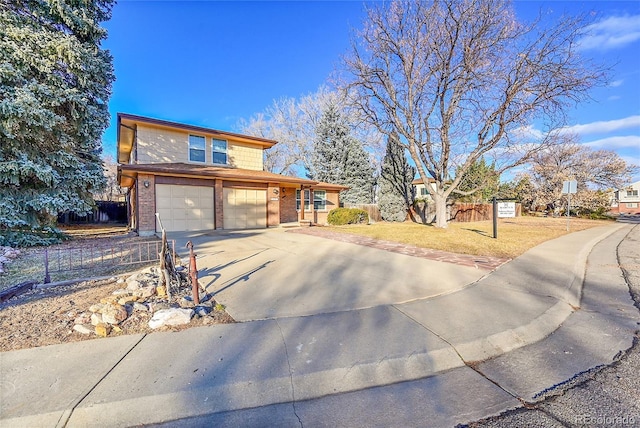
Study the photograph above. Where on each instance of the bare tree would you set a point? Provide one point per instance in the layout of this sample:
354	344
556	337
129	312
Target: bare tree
461	79
292	122
595	172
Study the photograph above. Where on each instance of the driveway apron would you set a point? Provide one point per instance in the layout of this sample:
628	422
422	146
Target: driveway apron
263	274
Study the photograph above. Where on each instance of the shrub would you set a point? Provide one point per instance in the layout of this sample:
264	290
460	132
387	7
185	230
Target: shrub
340	216
30	237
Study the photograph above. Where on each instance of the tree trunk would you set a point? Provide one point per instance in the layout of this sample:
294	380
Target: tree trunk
441	210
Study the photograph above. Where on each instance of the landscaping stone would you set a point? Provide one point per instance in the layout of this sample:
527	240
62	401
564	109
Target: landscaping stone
187	302
133	285
202	311
114	313
145	292
96	308
127	299
83	318
137	306
121	292
172	316
83	329
103	329
96	319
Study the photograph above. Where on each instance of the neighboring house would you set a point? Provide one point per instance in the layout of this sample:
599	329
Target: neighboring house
627	200
421	190
197	178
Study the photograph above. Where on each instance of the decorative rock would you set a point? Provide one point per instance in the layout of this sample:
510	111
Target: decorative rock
108	300
187	302
202	311
82	329
140	307
172	316
121	292
133	285
103	329
157	306
120	281
83	318
116	329
113	313
127	299
97	307
161	291
96	319
145	292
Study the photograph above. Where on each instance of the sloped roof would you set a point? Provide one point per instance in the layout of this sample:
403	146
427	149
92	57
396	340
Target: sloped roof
179	169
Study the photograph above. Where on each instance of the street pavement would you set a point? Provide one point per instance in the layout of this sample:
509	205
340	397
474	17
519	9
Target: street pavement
415	343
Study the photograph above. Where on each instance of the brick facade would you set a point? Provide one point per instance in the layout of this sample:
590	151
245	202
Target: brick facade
146	204
288	212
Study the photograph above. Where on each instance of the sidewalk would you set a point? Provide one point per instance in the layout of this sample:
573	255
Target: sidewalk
437	361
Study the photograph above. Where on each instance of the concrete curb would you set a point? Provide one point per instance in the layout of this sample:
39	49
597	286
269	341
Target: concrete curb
97	406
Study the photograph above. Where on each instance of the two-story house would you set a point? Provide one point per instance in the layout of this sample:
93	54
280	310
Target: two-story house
197	178
627	200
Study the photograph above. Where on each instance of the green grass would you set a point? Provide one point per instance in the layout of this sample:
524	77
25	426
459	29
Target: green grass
515	235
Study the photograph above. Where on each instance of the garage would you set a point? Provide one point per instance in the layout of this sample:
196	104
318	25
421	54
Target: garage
185	208
245	208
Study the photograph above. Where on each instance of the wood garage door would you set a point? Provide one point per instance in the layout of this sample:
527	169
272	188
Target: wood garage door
185	208
244	208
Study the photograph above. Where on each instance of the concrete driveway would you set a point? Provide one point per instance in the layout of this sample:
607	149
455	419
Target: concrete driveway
269	273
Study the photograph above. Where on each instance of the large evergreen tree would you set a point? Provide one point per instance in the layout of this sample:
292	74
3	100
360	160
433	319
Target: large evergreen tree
339	158
396	192
479	183
55	82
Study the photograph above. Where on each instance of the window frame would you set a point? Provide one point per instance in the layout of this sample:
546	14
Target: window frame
307	202
203	150
215	151
320	204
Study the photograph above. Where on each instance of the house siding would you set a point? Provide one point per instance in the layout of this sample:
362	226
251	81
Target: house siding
245	156
162	145
159	145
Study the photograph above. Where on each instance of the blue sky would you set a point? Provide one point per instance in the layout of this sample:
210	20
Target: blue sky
211	63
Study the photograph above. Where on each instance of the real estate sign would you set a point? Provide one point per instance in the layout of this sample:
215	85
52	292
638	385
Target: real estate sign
506	209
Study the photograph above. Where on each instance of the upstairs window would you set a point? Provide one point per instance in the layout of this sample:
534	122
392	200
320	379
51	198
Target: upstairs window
631	193
219	152
197	146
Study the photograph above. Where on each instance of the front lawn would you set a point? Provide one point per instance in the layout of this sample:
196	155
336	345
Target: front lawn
515	235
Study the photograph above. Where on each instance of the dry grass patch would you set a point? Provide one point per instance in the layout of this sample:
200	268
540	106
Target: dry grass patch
515	235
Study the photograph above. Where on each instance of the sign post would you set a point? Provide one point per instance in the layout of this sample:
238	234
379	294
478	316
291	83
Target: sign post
502	209
569	187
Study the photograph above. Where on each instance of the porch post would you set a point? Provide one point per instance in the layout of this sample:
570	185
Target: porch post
301	217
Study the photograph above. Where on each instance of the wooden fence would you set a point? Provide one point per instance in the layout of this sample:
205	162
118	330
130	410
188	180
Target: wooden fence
371	209
425	212
459	212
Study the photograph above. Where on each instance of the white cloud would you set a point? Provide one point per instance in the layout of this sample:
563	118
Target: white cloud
614	98
616	83
613	143
604	126
613	32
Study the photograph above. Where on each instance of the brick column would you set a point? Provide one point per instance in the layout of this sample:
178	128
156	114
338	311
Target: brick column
218	200
146	205
273	205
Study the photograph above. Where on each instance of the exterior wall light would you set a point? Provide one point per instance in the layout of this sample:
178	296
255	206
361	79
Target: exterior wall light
145	183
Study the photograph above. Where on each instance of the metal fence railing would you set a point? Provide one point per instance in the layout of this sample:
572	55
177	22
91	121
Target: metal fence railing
66	259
